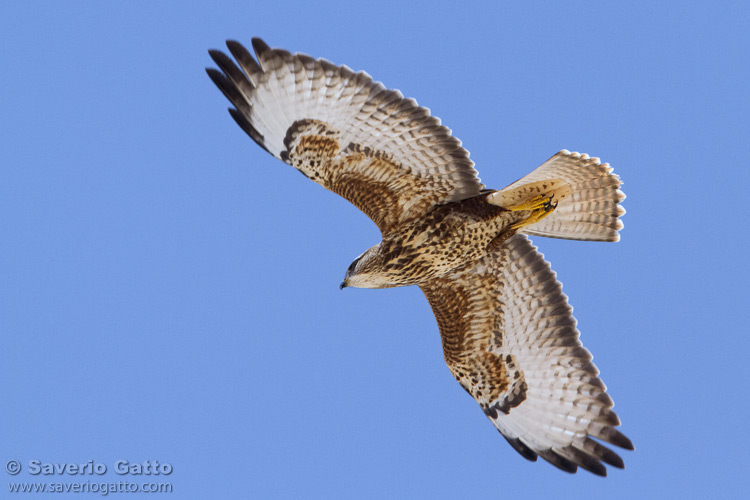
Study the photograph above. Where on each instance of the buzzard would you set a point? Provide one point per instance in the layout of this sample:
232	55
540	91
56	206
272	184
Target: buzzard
508	333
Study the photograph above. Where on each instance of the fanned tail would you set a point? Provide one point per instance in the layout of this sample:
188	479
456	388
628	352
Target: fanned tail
586	192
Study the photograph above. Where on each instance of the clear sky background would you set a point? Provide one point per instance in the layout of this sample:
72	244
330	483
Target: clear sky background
169	291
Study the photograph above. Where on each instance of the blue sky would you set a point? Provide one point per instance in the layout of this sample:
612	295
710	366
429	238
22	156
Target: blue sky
168	291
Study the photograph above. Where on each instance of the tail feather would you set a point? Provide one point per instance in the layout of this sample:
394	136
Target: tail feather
588	198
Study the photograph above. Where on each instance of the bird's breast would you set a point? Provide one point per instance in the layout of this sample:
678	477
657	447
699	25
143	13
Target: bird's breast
440	242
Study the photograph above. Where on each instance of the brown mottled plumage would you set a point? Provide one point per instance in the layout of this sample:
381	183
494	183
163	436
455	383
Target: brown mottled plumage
508	333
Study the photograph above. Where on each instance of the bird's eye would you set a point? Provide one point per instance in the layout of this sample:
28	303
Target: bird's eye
352	266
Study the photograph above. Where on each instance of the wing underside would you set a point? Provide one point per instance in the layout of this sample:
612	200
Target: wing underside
511	341
508	333
382	152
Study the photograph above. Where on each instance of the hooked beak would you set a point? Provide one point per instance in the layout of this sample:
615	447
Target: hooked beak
344	284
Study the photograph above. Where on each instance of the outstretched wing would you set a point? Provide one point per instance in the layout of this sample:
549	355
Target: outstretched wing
383	153
511	341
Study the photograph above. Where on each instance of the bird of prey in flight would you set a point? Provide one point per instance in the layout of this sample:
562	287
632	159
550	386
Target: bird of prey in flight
508	333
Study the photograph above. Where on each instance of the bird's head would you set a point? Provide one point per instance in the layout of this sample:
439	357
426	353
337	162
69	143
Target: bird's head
366	271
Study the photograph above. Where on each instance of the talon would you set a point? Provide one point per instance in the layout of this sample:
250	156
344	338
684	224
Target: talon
535	203
548	206
540	208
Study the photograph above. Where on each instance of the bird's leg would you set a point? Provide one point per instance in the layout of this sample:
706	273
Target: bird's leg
540	206
543	201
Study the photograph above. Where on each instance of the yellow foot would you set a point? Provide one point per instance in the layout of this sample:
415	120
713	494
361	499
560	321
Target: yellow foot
542	201
540	207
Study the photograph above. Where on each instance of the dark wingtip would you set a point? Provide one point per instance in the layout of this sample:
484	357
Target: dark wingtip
559	461
259	46
619	439
627	444
235	46
214	53
243	57
592	465
602	453
601	472
248	127
216	76
521	448
614	460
